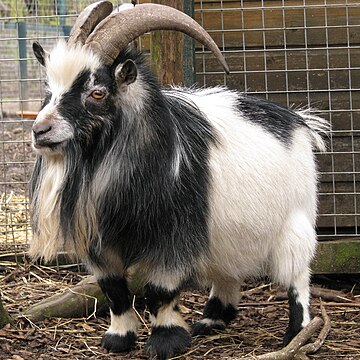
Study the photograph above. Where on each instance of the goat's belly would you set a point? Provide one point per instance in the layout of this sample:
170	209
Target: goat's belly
238	249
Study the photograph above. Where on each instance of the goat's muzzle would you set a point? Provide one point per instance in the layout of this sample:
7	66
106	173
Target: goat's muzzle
42	132
41	128
50	131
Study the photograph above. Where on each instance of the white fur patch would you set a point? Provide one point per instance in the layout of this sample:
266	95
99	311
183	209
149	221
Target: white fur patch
122	324
295	247
227	290
47	241
180	158
134	95
165	279
302	290
60	129
213	323
65	64
167	317
319	126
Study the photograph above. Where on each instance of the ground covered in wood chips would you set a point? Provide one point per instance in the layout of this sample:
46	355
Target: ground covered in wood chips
258	328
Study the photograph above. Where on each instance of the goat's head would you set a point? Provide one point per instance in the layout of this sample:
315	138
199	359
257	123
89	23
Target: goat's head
86	80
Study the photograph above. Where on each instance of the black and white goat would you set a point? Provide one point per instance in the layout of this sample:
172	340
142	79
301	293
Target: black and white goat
204	184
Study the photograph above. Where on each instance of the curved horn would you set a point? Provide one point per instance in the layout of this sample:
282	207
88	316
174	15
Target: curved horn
87	20
114	33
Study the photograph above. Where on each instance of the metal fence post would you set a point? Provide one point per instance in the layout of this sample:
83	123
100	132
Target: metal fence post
21	28
189	49
62	13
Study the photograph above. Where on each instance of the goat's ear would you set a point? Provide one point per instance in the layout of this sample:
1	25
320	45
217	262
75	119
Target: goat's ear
40	53
126	73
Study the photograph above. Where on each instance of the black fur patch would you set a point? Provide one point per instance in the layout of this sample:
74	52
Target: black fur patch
296	314
166	342
39	53
201	328
157	297
215	310
117	294
116	343
276	119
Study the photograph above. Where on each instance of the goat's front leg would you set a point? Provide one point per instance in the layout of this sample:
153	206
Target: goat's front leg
122	333
170	334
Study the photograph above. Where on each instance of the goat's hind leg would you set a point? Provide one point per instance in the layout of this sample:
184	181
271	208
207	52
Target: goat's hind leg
299	306
122	333
220	309
291	267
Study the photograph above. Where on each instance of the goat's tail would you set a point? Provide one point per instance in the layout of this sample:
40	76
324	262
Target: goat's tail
319	128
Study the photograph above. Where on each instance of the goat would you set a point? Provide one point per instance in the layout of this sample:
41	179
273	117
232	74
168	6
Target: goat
203	184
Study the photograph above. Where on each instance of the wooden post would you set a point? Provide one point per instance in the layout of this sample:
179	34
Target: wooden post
167	50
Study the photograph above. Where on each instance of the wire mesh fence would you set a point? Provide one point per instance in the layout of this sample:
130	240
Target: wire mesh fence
299	53
302	53
21	93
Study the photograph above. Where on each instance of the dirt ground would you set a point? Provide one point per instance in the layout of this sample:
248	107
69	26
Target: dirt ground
258	328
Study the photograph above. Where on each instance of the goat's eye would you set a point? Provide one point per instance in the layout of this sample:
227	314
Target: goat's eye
98	94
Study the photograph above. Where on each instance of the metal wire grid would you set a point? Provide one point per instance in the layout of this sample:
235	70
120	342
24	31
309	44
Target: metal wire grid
301	53
21	91
253	68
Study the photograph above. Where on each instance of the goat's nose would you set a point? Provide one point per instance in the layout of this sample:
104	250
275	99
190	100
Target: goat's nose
41	127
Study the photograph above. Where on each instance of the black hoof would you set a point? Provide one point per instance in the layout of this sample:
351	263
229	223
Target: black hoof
289	335
202	328
116	343
166	342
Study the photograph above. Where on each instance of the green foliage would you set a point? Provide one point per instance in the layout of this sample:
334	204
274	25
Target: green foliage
337	257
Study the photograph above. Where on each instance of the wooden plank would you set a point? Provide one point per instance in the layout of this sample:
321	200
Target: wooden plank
340	201
247	24
337	257
244	26
253	65
27	114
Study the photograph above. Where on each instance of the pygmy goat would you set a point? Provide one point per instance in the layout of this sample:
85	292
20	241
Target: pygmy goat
202	184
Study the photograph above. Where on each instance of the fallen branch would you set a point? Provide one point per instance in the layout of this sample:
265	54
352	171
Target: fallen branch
347	304
316	345
82	300
329	295
316	292
297	348
261	303
289	351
